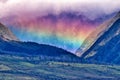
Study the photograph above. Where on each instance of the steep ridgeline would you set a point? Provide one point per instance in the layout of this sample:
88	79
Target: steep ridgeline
9	45
92	38
6	34
105	45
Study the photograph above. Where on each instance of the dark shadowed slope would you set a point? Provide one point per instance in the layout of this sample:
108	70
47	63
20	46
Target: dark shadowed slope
106	49
30	49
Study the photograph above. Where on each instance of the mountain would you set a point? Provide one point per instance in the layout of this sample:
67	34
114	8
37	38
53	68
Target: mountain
6	34
10	45
34	50
103	45
90	40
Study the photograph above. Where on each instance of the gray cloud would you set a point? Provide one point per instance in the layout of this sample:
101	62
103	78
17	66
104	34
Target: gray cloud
91	9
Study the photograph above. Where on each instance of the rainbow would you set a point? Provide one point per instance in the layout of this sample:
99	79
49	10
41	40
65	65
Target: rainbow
58	25
62	31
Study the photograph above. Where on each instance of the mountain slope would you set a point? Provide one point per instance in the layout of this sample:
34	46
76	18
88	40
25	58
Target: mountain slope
106	48
34	50
90	40
6	34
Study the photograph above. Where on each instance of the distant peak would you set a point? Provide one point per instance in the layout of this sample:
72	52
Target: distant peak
6	34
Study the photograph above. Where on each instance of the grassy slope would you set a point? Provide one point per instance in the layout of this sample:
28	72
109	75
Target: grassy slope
18	68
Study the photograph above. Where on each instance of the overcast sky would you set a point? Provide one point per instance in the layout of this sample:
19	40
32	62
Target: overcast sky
44	7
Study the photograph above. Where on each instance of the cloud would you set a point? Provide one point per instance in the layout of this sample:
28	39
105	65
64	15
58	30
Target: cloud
3	1
90	8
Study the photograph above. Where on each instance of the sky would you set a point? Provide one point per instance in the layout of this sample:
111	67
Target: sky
61	23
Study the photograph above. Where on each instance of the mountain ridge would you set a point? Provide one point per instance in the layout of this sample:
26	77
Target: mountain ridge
106	48
90	40
11	45
32	49
6	34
